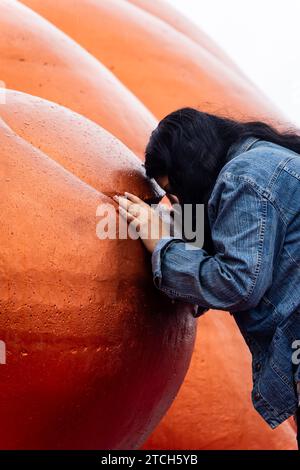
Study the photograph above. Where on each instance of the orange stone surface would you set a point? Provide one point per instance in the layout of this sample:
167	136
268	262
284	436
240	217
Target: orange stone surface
164	10
162	66
37	58
95	354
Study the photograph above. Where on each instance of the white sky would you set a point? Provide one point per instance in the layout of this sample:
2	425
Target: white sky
262	36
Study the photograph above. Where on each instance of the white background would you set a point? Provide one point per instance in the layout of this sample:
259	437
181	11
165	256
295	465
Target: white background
263	38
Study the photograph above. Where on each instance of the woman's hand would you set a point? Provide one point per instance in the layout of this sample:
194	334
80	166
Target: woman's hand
144	219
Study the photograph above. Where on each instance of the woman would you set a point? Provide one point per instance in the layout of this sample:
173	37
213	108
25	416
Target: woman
248	177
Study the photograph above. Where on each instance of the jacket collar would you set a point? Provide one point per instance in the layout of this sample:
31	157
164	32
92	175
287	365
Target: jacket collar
240	147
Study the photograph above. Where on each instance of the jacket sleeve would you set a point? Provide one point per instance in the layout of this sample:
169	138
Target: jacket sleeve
237	276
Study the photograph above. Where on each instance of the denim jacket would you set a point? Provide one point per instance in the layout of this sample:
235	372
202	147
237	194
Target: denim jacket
254	216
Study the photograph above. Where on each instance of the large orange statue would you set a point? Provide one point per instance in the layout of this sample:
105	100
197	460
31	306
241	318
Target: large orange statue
162	66
37	58
104	359
95	355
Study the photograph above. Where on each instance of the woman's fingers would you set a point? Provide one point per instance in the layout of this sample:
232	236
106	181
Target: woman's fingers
136	199
124	213
132	207
132	212
145	221
135	223
122	201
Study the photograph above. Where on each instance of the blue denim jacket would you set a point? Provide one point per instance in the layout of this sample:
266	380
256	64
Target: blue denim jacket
254	215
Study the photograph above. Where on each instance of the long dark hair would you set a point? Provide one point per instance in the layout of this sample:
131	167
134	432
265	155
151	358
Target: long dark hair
190	147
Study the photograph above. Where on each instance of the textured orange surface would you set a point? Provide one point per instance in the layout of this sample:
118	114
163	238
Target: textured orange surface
213	409
110	352
162	66
39	59
95	353
164	10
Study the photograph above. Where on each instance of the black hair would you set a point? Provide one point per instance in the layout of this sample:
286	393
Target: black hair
190	147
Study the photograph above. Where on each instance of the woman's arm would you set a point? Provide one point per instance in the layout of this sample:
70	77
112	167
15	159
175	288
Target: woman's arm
238	275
